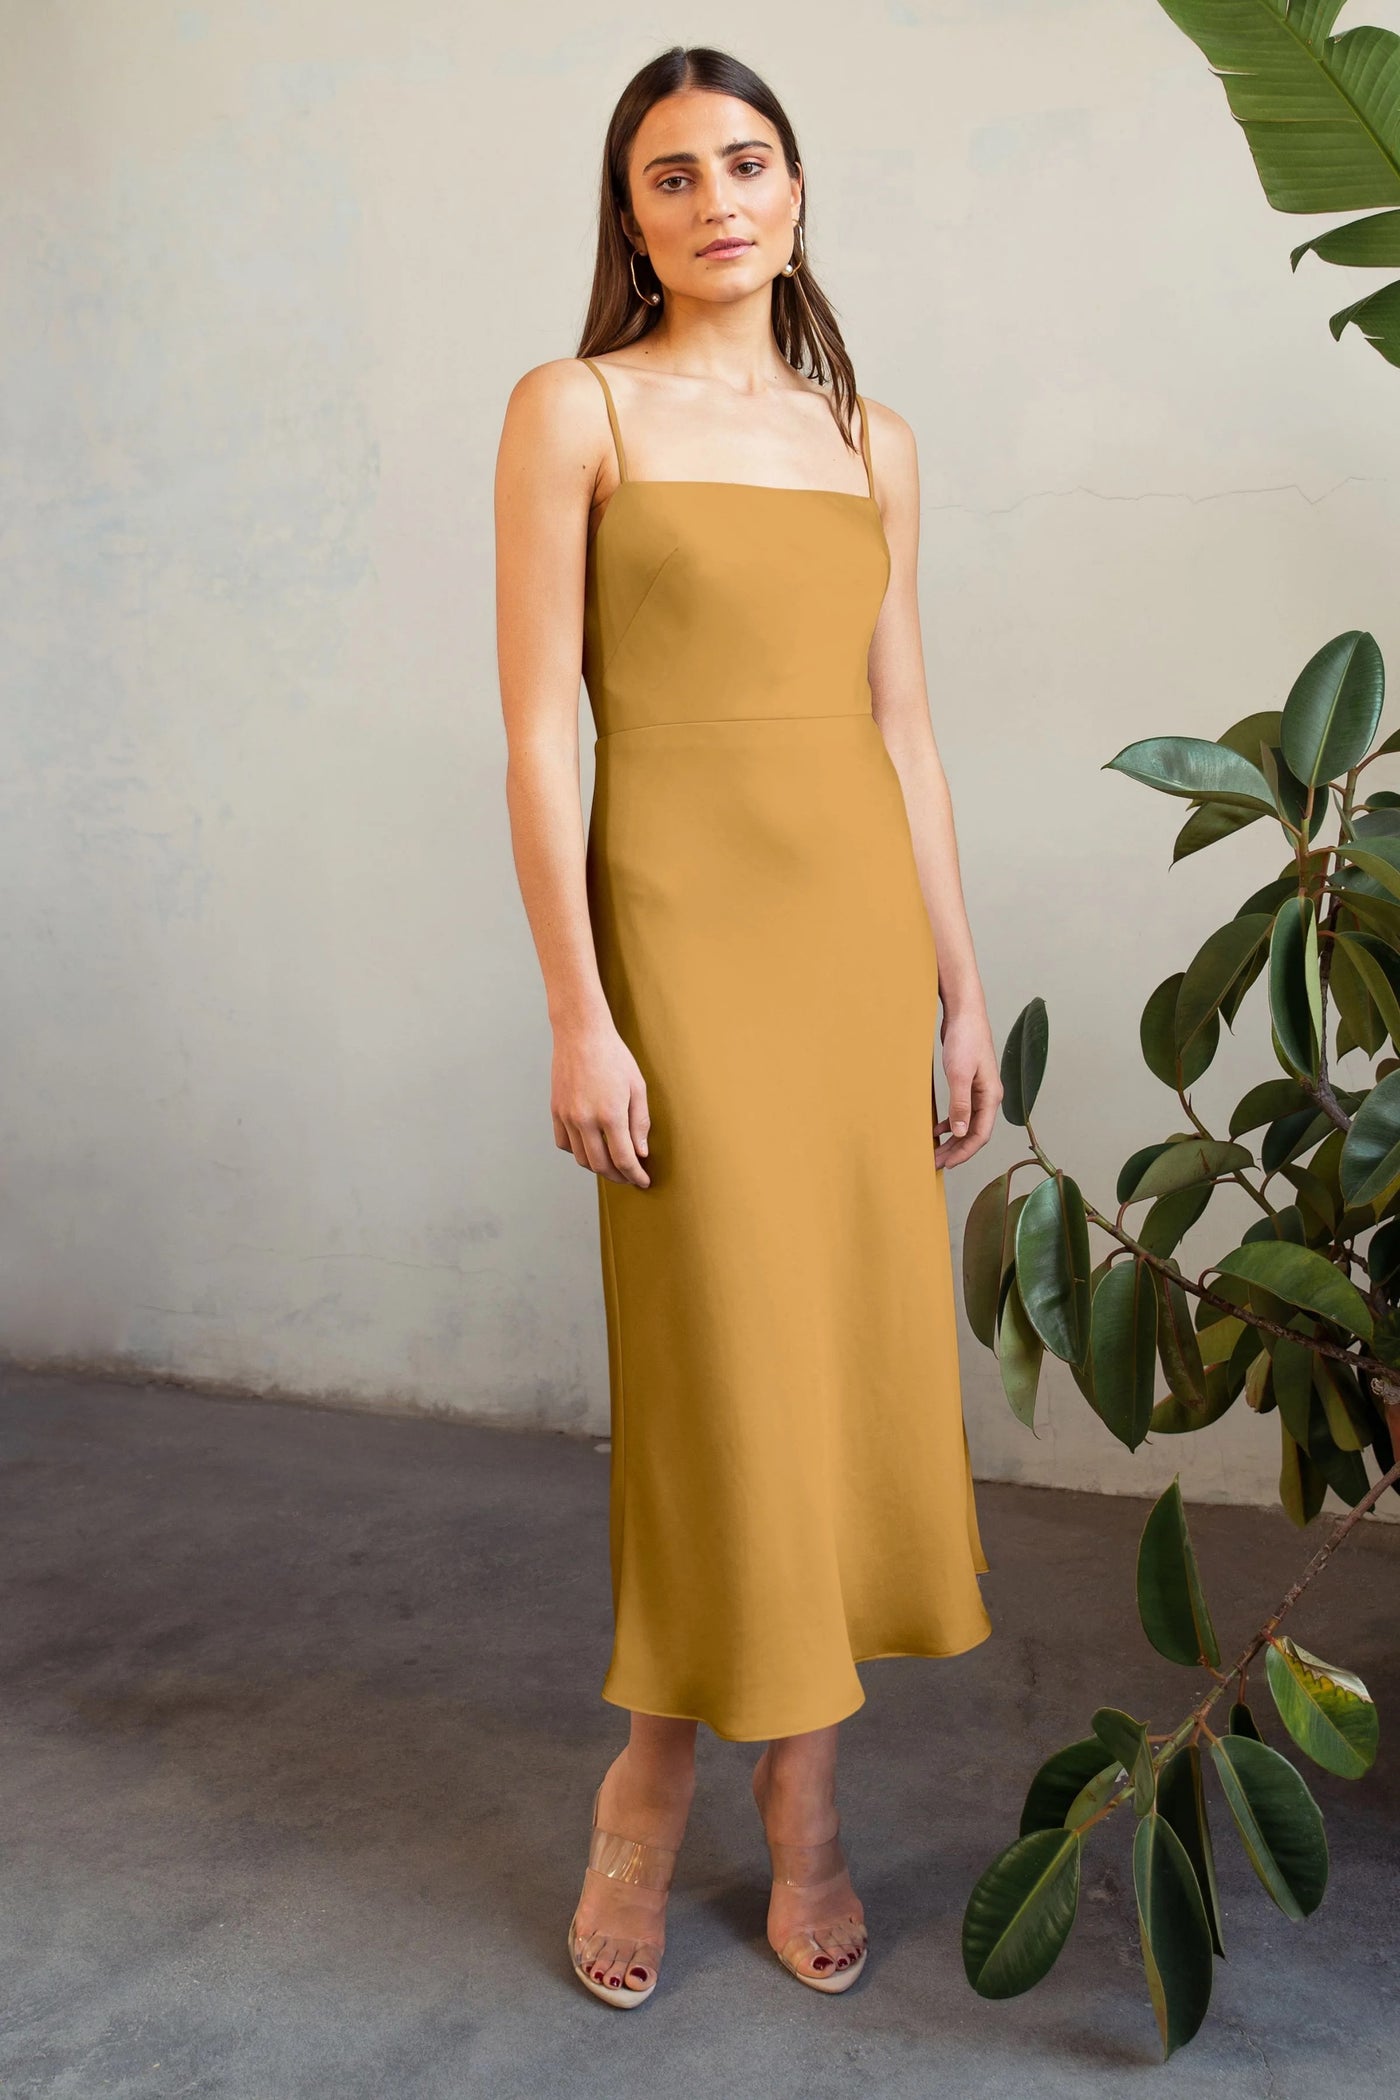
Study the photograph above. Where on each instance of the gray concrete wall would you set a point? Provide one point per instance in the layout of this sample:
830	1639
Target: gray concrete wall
275	1083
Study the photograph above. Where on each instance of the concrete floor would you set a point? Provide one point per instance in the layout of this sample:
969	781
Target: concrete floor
300	1727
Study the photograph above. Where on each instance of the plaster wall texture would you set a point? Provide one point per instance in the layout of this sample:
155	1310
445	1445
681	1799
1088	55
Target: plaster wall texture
275	1084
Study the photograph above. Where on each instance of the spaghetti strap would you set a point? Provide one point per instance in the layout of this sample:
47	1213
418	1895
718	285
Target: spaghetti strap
612	416
865	444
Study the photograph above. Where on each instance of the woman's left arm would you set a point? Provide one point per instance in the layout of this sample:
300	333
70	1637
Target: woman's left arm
899	697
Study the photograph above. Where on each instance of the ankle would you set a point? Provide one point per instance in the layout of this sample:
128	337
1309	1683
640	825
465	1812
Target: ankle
794	1801
794	1779
669	1768
659	1788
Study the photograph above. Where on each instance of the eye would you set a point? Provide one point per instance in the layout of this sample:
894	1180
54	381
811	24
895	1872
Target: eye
666	179
758	165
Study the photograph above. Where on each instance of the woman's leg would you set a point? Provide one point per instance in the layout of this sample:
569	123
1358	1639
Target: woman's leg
646	1794
794	1784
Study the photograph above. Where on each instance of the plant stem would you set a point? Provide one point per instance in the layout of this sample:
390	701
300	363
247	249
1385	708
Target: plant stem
1358	1362
1196	1718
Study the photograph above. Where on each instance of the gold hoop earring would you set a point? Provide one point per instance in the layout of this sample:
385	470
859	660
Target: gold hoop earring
791	267
649	298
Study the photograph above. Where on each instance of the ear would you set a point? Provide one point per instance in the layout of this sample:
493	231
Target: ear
795	186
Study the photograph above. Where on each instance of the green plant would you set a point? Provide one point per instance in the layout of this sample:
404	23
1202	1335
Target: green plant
1021	1910
1298	1318
1285	1321
1321	115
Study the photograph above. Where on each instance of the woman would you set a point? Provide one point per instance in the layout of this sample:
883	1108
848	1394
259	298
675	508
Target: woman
743	961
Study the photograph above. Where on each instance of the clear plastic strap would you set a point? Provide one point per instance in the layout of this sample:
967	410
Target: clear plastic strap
645	1865
803	1866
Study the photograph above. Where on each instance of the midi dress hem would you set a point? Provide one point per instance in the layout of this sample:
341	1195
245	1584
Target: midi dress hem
751	1734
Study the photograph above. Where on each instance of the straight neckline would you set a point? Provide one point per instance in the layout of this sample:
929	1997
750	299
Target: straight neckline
766	488
769	488
775	488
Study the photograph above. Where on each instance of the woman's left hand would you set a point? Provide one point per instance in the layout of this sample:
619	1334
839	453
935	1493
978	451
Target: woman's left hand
973	1074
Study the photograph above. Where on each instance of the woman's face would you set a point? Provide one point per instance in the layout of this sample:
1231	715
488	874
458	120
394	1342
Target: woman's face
707	169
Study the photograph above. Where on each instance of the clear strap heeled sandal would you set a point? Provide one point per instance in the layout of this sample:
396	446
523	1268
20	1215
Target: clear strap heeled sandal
829	1954
628	1959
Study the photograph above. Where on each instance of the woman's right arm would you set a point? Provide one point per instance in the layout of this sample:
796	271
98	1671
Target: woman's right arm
553	444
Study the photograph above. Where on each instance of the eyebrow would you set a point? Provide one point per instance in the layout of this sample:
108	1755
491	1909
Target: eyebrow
734	146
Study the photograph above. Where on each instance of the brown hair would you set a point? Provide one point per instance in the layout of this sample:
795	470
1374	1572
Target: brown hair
804	322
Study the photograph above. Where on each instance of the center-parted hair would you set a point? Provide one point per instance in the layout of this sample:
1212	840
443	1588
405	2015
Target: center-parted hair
804	323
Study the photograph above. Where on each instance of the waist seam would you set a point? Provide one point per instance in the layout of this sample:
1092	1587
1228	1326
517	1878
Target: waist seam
842	714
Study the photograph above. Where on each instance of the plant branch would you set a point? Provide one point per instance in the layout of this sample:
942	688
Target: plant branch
1236	1174
1203	1291
1196	1718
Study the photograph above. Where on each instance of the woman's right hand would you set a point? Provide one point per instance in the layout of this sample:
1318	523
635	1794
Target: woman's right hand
598	1098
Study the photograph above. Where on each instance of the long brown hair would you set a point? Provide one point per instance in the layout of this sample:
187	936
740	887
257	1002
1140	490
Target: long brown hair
804	322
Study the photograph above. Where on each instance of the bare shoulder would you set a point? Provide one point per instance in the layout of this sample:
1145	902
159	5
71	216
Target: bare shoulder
890	436
555	433
557	391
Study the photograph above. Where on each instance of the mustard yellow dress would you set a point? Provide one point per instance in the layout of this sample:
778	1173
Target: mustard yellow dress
790	1489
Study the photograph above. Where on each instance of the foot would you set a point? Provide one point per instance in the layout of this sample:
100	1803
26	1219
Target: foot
825	1918
620	1928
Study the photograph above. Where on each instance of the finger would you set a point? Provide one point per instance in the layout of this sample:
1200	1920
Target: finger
596	1151
561	1133
952	1149
984	1122
959	1106
955	1150
577	1147
618	1138
639	1116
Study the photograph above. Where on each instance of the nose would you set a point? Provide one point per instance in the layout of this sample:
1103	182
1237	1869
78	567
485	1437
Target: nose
715	200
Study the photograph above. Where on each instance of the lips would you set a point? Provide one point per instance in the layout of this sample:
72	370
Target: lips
726	247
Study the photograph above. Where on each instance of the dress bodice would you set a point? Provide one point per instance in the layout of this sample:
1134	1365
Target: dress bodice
721	600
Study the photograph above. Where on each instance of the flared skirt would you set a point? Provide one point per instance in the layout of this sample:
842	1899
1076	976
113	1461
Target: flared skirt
790	1487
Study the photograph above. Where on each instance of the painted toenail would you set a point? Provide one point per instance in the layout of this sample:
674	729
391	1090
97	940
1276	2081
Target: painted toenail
639	1972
